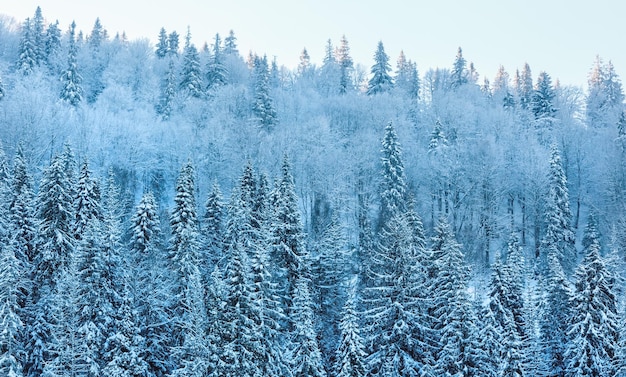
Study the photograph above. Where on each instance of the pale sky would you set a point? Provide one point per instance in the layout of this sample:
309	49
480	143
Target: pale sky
557	36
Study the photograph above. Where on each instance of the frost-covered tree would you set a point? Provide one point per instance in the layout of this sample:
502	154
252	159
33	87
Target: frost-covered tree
213	224
87	201
555	315
393	185
459	74
162	44
407	77
21	208
346	65
262	103
381	80
97	36
594	326
152	294
52	43
304	353
559	235
168	92
397	331
604	96
230	44
13	280
304	66
217	74
71	80
27	58
288	250
452	312
191	76
524	87
173	43
542	101
350	358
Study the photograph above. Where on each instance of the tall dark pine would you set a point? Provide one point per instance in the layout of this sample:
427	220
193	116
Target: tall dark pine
381	81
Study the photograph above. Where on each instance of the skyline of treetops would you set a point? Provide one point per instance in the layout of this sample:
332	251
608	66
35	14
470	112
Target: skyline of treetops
175	210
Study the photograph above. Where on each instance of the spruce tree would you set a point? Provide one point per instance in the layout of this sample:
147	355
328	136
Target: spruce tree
168	92
459	75
217	74
381	81
393	185
350	358
543	97
346	65
71	80
22	211
559	235
230	44
86	202
27	58
287	249
262	104
593	327
191	75
304	353
213	225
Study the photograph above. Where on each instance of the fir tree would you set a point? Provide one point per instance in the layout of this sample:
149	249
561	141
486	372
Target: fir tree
72	91
52	42
304	354
524	87
168	92
287	249
191	76
381	81
213	225
97	36
393	185
217	74
593	327
23	222
230	44
263	105
38	36
459	75
86	202
27	58
559	234
350	359
543	97
162	44
346	65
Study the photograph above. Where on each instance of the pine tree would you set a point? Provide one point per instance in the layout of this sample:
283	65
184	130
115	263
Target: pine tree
393	185
190	321
38	36
543	97
52	42
97	36
12	283
86	202
151	296
72	91
287	249
230	44
262	103
593	327
217	74
27	59
381	81
173	43
525	88
407	78
168	92
459	75
350	359
304	66
162	44
304	354
191	76
23	222
213	225
556	312
451	310
346	65
559	234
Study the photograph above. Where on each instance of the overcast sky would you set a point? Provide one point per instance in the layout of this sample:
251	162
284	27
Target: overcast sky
557	36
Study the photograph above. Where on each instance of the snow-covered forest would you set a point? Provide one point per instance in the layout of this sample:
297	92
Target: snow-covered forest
183	208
